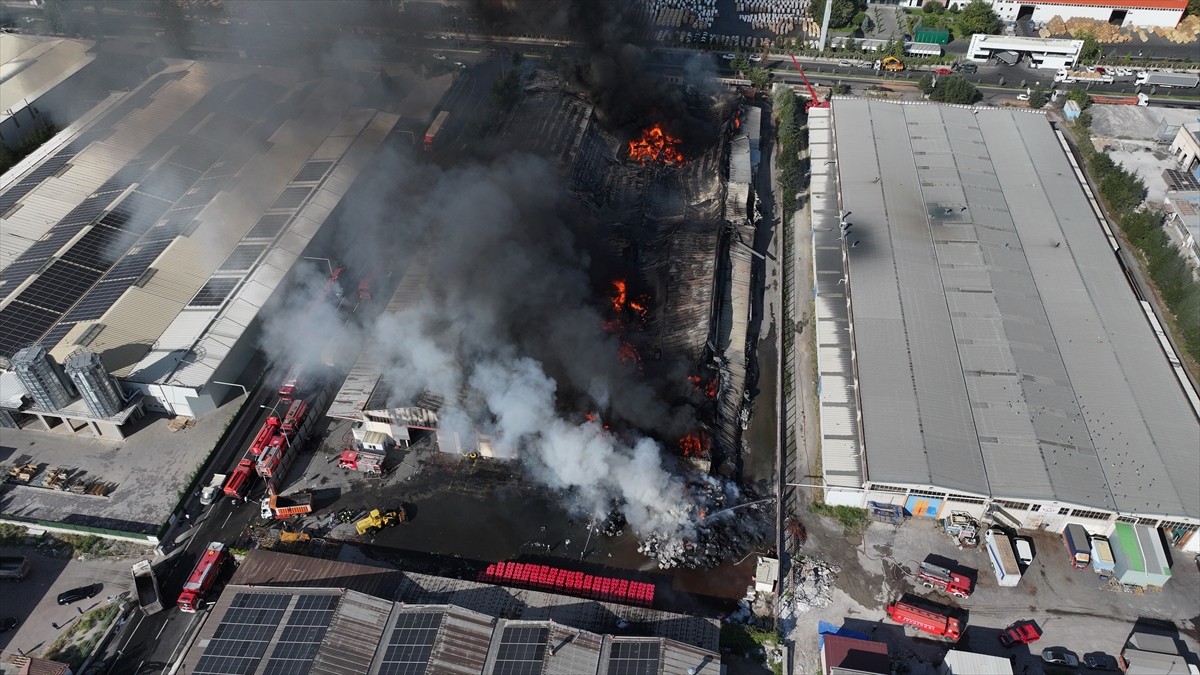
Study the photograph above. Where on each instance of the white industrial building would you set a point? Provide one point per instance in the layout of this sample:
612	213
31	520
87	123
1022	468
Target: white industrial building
1143	13
156	228
1047	53
979	347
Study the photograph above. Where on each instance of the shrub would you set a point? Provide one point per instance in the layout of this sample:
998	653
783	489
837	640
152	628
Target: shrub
853	520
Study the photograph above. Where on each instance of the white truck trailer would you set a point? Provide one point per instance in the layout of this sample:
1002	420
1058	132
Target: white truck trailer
1003	559
1169	80
145	585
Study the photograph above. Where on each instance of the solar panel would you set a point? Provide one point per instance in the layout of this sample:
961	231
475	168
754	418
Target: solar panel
176	222
99	248
522	650
313	171
301	638
14	274
214	292
245	632
121	180
256	98
87	211
198	155
138	259
242	258
268	226
142	211
168	182
59	287
23	326
633	658
96	302
224	128
411	643
202	192
56	334
291	197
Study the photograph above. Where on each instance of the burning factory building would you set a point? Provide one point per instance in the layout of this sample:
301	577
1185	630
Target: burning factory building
581	300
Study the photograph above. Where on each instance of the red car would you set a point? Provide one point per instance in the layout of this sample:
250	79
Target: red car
943	71
1020	633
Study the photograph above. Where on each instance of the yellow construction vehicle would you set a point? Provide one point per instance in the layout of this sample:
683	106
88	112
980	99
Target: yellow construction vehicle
377	519
294	537
892	63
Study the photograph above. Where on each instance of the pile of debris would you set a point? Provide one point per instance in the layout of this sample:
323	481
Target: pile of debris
728	525
813	583
1104	32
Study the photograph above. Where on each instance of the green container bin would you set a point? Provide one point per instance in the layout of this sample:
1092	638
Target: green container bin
939	36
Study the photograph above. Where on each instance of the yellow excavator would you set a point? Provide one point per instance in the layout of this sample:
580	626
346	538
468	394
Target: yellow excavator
377	519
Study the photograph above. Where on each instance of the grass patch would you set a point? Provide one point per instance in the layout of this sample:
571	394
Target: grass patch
747	641
80	638
853	520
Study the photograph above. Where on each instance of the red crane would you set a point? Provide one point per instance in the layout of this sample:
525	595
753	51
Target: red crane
814	100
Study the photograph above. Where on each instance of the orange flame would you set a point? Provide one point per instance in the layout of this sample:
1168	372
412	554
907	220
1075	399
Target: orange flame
618	297
694	445
628	354
656	145
709	389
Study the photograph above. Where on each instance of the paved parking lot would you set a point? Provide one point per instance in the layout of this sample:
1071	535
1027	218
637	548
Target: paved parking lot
33	600
145	472
1073	609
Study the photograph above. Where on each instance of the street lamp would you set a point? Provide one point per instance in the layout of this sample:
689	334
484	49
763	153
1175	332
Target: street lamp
245	391
327	262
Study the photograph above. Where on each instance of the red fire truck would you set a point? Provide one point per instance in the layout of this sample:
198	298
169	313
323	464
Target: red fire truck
291	385
942	579
294	418
1020	633
939	624
239	481
265	434
203	576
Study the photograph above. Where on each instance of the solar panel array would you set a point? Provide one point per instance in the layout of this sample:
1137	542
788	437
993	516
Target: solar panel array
301	638
411	644
121	241
522	650
633	658
241	639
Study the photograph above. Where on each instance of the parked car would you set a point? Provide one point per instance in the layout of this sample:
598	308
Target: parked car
845	64
968	68
943	71
756	57
1060	656
1100	661
439	57
8	623
1022	545
81	593
728	57
1022	97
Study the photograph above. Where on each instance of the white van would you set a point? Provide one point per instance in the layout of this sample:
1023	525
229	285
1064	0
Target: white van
1024	550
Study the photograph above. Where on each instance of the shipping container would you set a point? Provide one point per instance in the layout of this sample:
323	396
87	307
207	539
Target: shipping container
1139	556
1079	546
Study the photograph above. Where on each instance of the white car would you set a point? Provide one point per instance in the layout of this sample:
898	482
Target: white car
845	64
727	57
439	57
1022	97
755	58
1024	549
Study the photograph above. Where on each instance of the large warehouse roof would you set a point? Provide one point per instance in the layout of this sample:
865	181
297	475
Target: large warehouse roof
1000	348
157	228
288	614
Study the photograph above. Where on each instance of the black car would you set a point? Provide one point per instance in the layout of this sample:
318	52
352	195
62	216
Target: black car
968	68
81	593
8	623
1100	661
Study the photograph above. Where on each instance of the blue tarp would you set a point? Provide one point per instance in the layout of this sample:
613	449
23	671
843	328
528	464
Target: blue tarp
825	628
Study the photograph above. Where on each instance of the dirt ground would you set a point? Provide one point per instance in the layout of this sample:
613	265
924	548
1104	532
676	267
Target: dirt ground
1071	606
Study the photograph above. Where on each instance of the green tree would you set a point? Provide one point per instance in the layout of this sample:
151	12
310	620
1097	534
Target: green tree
840	16
506	90
54	15
759	78
933	7
1038	98
1084	120
894	47
978	17
954	89
1123	190
1193	8
1080	96
740	63
926	83
1091	51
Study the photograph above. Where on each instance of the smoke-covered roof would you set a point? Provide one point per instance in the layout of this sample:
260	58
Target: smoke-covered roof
1000	348
157	228
31	65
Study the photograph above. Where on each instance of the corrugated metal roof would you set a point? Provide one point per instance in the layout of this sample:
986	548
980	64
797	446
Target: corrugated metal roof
354	636
967	663
34	65
975	267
